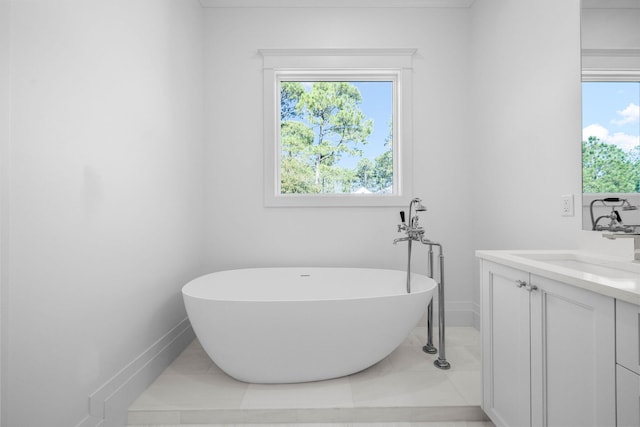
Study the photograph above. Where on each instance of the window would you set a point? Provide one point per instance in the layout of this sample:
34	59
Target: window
336	137
610	137
337	127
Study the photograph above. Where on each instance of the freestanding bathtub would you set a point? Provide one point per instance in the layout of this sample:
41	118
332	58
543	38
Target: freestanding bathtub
289	325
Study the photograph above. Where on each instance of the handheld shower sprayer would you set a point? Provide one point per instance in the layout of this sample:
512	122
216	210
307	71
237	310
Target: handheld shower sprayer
417	206
624	203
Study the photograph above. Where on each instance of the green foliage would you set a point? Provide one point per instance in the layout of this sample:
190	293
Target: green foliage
384	170
609	169
290	94
297	177
317	128
376	176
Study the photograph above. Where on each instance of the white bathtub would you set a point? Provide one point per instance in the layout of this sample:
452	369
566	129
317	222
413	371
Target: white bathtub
289	325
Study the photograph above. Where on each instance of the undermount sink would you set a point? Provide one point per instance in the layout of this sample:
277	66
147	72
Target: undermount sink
585	264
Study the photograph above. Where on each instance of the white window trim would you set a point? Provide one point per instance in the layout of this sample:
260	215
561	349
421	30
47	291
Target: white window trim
614	65
339	64
610	75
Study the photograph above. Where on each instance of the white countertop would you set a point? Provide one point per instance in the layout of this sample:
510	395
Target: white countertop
612	276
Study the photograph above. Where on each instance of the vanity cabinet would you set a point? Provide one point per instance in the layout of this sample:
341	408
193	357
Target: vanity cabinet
548	351
506	346
628	363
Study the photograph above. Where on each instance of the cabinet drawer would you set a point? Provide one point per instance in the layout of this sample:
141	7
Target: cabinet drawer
628	402
628	335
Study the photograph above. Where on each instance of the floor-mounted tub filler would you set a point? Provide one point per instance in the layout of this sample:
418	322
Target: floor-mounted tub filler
413	233
290	325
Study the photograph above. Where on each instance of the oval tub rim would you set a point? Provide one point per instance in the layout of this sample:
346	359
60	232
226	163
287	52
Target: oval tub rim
423	282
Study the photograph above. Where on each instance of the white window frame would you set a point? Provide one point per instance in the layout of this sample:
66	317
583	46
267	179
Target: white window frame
339	65
608	75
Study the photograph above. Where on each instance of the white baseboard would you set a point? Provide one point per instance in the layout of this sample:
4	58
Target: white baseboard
109	403
457	313
476	315
90	421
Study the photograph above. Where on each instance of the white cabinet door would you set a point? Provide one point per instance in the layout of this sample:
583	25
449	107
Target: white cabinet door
573	356
628	404
628	335
505	346
628	355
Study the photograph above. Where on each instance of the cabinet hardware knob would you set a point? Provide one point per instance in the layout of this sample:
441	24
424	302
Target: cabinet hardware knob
532	288
521	283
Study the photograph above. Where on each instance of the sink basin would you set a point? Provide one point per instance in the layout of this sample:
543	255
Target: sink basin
585	264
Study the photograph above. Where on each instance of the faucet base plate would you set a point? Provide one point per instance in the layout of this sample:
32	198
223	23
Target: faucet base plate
429	348
442	364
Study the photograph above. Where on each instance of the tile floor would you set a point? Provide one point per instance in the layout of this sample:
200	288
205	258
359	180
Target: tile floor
404	389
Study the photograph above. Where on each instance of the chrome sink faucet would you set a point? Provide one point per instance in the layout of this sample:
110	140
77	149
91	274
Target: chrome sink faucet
636	242
616	229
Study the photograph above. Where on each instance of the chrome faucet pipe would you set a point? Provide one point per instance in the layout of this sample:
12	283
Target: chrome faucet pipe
409	243
441	362
429	347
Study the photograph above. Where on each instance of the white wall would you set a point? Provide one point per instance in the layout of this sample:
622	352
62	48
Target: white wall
241	232
497	135
606	26
105	195
526	122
